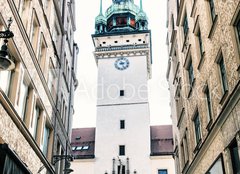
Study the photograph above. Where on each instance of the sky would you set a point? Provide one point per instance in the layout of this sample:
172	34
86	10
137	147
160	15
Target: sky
85	94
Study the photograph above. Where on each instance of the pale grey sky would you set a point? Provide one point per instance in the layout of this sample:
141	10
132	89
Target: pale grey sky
85	95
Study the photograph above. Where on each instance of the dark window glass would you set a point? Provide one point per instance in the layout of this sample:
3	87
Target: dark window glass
212	9
197	128
122	124
223	75
190	73
162	171
200	43
185	25
121	92
121	21
123	169
121	150
235	157
238	30
208	100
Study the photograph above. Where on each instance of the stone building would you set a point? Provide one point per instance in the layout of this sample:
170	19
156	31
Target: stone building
36	97
203	74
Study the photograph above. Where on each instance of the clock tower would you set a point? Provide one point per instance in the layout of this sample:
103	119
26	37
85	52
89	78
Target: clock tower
122	44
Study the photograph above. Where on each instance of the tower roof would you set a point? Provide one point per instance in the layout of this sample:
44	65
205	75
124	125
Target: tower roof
122	15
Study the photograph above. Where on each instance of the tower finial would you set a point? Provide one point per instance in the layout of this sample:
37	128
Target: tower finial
100	7
141	7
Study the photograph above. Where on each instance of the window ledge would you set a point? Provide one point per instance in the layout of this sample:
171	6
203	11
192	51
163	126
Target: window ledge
224	97
198	146
201	61
209	125
213	27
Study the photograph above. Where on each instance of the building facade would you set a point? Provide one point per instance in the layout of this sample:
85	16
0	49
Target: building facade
203	74
34	127
122	138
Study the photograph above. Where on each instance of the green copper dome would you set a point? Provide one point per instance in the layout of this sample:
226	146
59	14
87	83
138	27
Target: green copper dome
121	16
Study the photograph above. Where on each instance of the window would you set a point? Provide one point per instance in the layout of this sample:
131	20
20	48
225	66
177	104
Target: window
9	162
185	25
46	138
208	102
197	127
121	150
238	30
212	9
217	167
24	11
223	74
162	171
200	43
183	160
23	98
35	27
121	92
42	52
123	169
235	157
78	148
35	121
122	124
5	80
190	73
85	147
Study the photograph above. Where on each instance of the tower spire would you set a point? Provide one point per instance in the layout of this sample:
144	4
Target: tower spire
100	7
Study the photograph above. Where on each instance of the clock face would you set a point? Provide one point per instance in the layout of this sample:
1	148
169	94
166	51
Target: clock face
122	63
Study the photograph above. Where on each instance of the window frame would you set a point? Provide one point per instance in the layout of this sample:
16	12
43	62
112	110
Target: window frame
197	128
122	150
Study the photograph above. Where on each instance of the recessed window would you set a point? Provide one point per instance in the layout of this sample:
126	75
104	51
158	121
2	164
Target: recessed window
78	148
238	30
223	74
121	150
185	25
217	167
144	42
190	73
235	157
127	40
121	92
199	35
162	171
115	41
208	102
104	42
122	124
212	9
73	148
197	126
78	138
139	40
121	169
85	147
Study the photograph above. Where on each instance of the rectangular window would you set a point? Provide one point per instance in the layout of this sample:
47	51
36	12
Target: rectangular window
121	169
208	102
122	124
238	30
197	127
212	9
217	167
200	43
185	25
223	74
235	157
24	93
35	121
34	35
42	52
46	137
121	150
121	92
190	73
162	171
5	80
183	160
